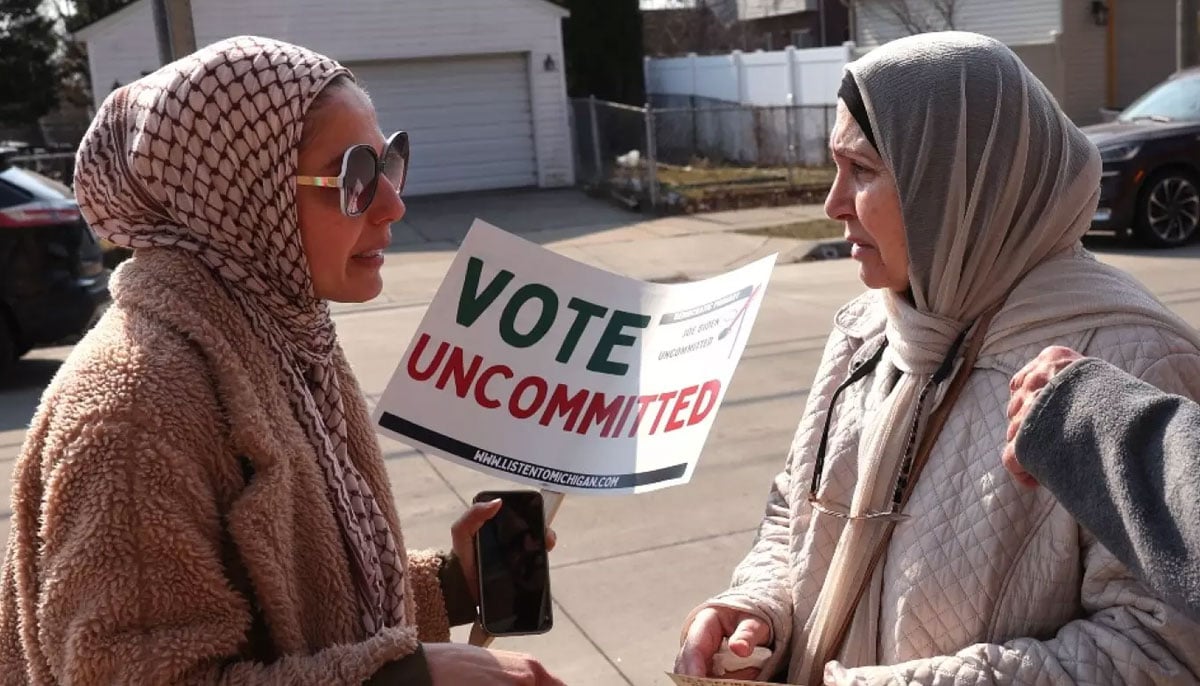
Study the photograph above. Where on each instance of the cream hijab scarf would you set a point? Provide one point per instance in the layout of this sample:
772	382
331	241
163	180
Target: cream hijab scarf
997	187
200	157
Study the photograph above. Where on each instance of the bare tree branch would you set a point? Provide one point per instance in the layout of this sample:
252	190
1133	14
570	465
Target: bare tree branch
917	16
901	13
945	9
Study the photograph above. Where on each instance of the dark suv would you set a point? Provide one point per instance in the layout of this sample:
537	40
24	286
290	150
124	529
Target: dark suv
1151	153
53	284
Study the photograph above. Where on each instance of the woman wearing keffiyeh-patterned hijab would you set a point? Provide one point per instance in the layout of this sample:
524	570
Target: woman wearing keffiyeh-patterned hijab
201	497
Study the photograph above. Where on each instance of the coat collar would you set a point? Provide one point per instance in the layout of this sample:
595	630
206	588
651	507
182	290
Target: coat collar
862	318
176	290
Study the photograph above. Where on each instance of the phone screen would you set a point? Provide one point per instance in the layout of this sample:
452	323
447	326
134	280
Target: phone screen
514	571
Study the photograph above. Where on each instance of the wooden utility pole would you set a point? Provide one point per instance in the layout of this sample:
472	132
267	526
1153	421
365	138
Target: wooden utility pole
821	19
1185	33
853	7
173	29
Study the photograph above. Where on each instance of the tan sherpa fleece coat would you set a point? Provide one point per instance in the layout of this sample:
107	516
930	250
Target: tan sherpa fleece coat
170	523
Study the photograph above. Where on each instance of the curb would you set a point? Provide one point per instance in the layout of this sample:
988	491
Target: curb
824	250
814	252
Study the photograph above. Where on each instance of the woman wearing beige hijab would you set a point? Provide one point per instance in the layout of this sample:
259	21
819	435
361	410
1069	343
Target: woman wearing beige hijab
895	548
201	498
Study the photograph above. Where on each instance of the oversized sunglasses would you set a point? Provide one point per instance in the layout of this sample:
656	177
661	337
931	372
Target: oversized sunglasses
361	169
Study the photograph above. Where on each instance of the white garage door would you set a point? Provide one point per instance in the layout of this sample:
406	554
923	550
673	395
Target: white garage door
468	119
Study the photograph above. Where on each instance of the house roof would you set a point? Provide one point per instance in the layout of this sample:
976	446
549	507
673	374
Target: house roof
83	33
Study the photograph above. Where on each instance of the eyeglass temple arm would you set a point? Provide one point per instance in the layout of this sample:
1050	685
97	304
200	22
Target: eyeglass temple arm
321	181
855	376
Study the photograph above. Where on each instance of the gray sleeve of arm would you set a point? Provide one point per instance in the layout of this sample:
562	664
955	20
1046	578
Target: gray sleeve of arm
1122	457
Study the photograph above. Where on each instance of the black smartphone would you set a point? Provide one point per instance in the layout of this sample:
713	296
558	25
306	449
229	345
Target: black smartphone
514	570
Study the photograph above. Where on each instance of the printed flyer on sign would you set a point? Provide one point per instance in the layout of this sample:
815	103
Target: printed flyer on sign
536	368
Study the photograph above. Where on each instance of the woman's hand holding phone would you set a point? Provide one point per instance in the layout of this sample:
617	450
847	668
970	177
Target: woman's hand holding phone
462	537
451	663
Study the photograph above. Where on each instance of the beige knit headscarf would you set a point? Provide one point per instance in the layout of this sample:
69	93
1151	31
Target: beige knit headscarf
997	187
201	156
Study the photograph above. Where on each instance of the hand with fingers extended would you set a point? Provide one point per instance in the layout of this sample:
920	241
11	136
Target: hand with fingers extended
1026	387
462	537
711	627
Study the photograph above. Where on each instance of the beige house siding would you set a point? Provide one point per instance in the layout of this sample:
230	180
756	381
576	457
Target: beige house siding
1084	54
1015	22
1145	46
1043	60
1029	27
1061	43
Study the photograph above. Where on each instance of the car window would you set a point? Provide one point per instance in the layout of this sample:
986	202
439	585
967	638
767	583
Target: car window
40	187
1177	99
10	195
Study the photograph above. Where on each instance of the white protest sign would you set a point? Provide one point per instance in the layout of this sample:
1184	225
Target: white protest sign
538	369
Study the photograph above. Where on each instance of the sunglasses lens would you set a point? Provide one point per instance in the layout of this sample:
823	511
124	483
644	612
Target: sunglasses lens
395	162
361	180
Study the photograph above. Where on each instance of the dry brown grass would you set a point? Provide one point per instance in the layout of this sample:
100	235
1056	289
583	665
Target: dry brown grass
808	230
703	178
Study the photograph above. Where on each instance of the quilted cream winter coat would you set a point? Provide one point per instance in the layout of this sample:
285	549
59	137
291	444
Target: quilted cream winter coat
987	582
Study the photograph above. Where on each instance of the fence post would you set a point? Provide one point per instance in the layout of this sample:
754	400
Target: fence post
651	156
739	76
825	115
595	140
694	62
793	88
646	75
791	141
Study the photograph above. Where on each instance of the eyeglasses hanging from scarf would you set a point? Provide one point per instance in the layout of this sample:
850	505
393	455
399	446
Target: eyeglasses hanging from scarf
914	458
914	462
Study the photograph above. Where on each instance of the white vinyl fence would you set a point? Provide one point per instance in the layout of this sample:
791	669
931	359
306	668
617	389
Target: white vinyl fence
759	108
784	77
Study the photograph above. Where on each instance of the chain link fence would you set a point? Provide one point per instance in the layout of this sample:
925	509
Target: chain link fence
610	141
684	153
